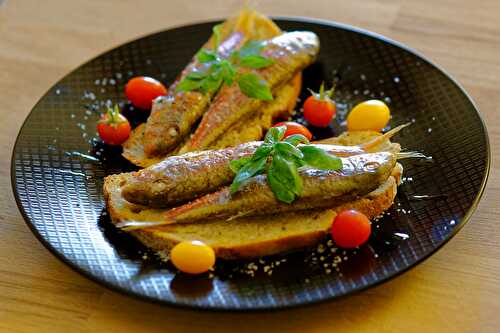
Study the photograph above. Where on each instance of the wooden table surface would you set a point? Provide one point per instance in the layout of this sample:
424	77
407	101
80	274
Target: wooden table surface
456	290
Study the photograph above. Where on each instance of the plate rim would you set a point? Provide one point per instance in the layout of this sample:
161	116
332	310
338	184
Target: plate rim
317	21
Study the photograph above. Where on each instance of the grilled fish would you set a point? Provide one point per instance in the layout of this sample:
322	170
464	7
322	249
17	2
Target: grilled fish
360	174
178	179
291	53
172	116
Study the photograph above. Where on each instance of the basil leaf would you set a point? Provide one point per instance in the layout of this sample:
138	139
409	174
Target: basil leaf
320	159
275	134
287	149
247	171
211	83
236	165
295	139
187	84
196	76
287	173
254	86
263	151
281	192
255	61
217	32
252	47
227	71
284	179
205	56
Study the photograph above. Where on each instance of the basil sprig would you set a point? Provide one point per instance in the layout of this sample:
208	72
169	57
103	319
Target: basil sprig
280	160
218	71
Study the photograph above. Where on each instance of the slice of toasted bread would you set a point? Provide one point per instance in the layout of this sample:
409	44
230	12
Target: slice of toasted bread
251	236
248	237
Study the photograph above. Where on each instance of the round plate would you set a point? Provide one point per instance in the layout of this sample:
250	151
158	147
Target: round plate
58	168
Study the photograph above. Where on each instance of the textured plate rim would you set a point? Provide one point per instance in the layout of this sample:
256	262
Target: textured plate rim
328	23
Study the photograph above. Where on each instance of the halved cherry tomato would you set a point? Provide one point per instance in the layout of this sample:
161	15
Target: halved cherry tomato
319	108
351	229
368	115
294	128
142	90
192	257
113	127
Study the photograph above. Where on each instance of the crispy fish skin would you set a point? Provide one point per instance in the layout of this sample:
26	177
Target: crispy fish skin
185	177
172	116
291	53
178	179
359	175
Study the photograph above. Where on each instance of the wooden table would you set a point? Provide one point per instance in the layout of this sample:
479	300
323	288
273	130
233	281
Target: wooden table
456	290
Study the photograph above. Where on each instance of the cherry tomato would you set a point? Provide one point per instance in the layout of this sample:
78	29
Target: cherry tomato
369	115
351	229
142	90
319	108
192	257
113	127
294	128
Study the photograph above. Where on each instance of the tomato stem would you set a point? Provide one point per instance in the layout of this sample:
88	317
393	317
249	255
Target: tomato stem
113	115
322	91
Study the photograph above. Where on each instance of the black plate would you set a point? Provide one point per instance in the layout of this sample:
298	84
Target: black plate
60	193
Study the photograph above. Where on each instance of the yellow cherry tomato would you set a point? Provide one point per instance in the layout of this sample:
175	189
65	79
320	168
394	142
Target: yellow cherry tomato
369	115
192	257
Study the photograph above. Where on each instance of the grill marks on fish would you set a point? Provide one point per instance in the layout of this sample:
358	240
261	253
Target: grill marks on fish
291	53
173	116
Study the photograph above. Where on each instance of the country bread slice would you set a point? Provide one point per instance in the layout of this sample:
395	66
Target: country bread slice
246	237
251	237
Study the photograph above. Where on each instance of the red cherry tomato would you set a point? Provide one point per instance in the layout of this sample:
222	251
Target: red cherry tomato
351	229
142	90
294	128
319	112
113	127
319	108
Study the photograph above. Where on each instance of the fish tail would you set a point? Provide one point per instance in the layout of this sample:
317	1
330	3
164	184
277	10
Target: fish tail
370	145
412	154
134	225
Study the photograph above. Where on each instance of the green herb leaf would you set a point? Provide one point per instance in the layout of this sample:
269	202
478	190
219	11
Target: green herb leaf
255	61
196	75
287	149
217	33
247	171
274	134
263	151
254	86
252	47
188	84
284	179
205	56
281	192
211	83
295	139
236	165
320	159
227	71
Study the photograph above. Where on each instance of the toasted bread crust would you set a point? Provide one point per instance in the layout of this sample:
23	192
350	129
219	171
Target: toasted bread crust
162	239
